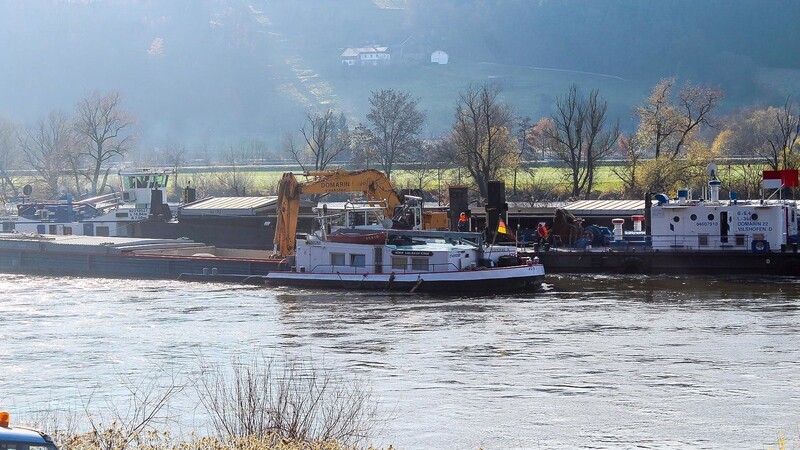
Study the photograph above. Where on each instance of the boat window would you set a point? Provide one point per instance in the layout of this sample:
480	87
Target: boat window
676	219
101	231
374	218
399	262
754	216
53	229
710	217
67	231
740	240
693	217
702	240
358	260
8	226
357	218
419	264
337	259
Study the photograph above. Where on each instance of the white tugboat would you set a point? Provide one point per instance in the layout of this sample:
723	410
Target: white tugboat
363	256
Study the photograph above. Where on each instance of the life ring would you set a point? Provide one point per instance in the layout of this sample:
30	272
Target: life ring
632	265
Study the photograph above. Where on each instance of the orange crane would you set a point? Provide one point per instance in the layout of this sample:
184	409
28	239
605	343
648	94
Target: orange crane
372	183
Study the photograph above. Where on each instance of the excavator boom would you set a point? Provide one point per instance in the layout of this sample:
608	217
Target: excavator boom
372	183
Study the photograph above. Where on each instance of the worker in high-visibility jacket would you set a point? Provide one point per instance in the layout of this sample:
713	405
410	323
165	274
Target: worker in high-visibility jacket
543	233
463	222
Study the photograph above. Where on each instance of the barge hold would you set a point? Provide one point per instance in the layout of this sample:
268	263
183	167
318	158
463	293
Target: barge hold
119	257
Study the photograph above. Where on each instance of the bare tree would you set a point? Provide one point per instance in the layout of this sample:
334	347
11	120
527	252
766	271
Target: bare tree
175	156
426	163
104	133
362	147
9	157
323	140
396	124
670	124
579	137
633	148
523	128
235	181
45	146
785	134
481	135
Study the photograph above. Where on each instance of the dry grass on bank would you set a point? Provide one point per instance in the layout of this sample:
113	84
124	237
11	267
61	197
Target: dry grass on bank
260	402
113	439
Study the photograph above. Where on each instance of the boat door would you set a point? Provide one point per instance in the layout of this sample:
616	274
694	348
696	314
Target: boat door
677	238
723	227
378	259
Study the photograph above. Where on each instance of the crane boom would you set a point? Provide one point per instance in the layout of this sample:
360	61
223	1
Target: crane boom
372	183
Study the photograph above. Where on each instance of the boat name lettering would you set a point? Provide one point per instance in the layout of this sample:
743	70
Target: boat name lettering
755	229
411	253
138	213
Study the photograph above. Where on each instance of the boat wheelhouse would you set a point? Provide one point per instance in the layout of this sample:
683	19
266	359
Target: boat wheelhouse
104	215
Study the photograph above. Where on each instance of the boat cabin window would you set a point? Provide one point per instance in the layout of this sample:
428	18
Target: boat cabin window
419	264
337	259
8	226
67	231
357	260
101	231
399	262
53	229
150	181
357	218
702	240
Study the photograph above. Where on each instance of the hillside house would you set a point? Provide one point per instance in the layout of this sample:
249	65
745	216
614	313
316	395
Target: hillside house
439	57
366	56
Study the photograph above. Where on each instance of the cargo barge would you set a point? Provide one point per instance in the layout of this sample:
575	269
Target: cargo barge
685	236
119	257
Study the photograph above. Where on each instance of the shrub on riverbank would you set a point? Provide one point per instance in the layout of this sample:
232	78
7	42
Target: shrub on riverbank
163	441
264	402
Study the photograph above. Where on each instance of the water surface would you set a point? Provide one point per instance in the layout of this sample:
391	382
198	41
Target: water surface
589	361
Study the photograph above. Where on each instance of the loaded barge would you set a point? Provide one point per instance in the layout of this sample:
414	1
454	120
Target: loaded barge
120	257
685	236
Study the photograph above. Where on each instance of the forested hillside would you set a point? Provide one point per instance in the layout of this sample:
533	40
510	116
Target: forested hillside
222	70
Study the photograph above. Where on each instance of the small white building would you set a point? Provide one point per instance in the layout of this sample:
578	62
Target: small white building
366	56
439	57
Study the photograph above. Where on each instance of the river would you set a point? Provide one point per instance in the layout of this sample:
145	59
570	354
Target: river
588	361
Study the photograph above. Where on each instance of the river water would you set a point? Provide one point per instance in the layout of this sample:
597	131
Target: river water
588	361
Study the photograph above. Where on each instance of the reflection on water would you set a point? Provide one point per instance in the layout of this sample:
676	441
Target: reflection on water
588	361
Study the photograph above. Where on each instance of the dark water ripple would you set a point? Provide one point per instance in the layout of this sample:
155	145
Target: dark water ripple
587	362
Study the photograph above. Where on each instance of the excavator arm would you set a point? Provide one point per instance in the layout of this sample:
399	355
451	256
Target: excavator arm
372	183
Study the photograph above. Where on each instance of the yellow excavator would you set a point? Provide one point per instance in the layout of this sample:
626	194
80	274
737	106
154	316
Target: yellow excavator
377	190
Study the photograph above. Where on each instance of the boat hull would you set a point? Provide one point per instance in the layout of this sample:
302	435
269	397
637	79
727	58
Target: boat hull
504	279
670	262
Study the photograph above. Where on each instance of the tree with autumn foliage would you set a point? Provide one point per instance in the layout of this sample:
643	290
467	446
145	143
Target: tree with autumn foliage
669	121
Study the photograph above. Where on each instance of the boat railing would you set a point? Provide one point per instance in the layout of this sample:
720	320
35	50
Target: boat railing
703	241
385	268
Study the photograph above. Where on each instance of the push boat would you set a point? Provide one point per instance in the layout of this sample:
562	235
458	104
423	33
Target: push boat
361	257
142	191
